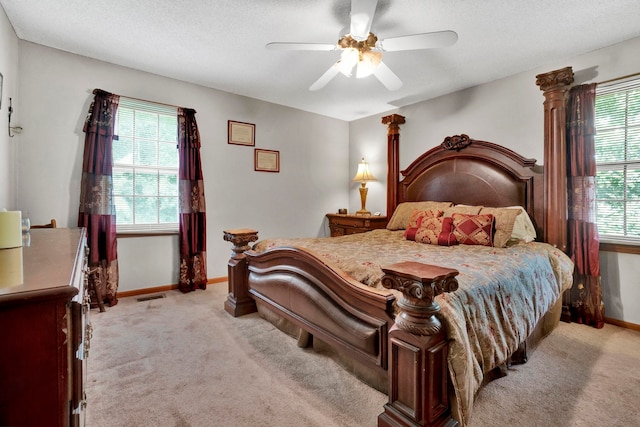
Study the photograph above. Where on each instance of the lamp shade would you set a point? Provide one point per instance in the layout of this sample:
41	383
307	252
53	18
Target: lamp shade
363	174
348	60
367	64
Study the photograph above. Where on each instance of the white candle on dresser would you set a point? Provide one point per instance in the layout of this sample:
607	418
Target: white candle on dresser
11	270
10	229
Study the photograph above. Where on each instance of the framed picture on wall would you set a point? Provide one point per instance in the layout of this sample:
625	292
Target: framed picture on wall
240	133
0	91
267	160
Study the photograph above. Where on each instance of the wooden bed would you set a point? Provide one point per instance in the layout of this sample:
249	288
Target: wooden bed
408	347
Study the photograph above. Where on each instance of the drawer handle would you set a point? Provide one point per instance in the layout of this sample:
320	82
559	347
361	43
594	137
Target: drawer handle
87	339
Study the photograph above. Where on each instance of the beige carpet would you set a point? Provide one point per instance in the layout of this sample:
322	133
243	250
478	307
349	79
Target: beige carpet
183	361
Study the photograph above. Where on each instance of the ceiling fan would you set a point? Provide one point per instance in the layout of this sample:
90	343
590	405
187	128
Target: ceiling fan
362	50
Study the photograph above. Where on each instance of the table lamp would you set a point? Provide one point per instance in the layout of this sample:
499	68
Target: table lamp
363	176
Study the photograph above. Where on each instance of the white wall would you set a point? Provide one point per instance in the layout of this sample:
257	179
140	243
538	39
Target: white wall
510	113
9	71
621	286
55	90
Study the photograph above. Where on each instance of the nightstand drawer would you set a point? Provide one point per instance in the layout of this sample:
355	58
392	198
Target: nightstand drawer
350	224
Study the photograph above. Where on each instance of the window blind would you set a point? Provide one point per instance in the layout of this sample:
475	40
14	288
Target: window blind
618	160
145	167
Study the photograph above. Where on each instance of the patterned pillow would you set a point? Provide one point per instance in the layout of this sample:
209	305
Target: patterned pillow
436	231
473	229
505	219
416	219
403	211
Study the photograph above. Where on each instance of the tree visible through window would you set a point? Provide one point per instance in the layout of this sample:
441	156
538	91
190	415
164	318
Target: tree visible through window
618	161
145	166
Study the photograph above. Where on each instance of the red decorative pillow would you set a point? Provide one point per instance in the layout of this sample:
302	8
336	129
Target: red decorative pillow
473	229
436	231
416	219
446	237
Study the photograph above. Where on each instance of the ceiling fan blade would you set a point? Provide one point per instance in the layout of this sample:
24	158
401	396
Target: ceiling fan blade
362	12
300	46
387	77
325	78
419	41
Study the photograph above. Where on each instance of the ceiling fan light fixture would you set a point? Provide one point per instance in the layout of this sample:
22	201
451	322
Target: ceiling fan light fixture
367	64
348	59
361	49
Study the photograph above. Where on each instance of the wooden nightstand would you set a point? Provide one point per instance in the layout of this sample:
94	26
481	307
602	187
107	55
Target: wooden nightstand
340	224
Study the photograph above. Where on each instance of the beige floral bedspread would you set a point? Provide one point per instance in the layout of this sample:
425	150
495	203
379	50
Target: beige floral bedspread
502	294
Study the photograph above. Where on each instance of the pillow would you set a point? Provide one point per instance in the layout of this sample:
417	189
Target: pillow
417	216
504	218
436	231
403	212
462	209
523	228
473	229
416	219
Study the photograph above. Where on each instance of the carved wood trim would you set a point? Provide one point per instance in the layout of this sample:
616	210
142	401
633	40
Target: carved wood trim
240	238
419	284
456	142
238	301
556	79
555	86
393	123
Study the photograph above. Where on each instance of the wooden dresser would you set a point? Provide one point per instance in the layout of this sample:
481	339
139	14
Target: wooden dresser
341	224
45	332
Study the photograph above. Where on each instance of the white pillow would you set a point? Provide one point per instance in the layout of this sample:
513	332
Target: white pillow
523	228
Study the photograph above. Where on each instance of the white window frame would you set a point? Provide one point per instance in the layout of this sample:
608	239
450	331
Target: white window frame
618	86
144	228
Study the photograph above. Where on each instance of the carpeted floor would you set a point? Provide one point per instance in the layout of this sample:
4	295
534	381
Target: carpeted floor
183	361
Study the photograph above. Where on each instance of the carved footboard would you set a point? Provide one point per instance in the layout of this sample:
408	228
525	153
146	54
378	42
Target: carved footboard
312	295
357	319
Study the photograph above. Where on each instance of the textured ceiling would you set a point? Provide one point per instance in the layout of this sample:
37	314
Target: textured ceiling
221	43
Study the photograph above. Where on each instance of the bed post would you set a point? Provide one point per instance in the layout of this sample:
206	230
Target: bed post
238	301
418	348
555	86
393	159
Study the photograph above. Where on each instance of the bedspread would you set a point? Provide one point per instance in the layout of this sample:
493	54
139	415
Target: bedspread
502	294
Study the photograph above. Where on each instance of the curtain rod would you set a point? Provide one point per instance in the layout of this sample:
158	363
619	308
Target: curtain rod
143	100
155	102
619	78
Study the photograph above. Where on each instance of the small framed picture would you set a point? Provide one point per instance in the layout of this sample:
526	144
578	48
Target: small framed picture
267	160
240	133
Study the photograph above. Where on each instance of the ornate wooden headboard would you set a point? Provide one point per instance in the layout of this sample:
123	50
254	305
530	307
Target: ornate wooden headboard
473	172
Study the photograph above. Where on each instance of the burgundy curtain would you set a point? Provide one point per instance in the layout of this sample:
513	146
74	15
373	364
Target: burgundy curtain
193	219
97	210
585	296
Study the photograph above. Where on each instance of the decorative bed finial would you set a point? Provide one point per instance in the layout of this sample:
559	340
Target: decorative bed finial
456	142
420	284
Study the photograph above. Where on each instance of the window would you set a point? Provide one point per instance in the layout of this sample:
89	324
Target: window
618	162
145	167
